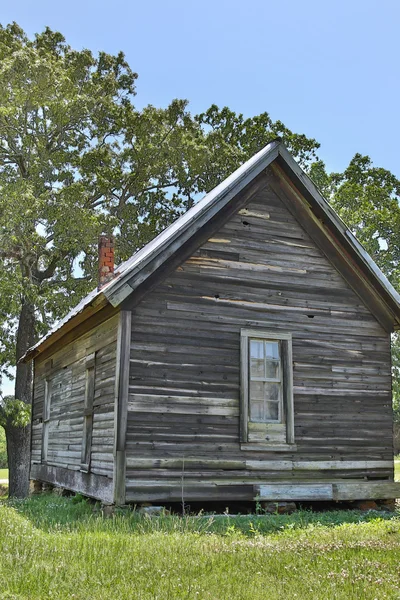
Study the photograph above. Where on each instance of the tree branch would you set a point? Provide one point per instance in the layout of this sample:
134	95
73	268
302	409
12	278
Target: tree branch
48	272
10	254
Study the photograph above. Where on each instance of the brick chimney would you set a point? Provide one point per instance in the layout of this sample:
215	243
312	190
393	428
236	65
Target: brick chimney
106	260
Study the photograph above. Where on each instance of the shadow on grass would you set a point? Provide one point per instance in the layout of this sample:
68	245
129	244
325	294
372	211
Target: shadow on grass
52	513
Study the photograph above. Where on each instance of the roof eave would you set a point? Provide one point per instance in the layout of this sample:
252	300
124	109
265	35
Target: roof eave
99	302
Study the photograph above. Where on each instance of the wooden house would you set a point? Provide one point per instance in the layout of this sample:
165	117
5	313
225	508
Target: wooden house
244	353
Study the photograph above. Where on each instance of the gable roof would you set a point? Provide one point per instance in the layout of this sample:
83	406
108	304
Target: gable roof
131	273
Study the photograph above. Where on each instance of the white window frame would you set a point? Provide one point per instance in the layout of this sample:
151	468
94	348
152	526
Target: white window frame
267	435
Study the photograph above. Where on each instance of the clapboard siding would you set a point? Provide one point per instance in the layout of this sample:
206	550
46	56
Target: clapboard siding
260	270
67	373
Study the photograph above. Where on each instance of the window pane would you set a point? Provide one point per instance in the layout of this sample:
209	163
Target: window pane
256	401
257	412
257	367
272	350
272	369
272	411
256	349
272	391
257	390
256	358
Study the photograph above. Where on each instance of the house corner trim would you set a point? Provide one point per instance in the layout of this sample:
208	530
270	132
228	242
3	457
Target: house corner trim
121	405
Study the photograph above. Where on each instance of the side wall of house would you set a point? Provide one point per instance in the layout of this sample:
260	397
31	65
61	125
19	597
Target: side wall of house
261	270
66	371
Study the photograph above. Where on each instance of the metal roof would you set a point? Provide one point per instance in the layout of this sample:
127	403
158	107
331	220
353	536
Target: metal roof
129	274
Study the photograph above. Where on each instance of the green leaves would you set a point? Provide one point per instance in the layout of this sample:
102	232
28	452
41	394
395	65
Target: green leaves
367	199
14	412
57	109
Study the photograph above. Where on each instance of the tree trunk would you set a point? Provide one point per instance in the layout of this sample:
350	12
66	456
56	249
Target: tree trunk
19	438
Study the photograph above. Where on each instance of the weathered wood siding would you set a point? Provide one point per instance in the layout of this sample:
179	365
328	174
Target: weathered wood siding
67	373
261	270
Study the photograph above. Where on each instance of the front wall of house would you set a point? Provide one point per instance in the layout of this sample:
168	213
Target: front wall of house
261	270
66	370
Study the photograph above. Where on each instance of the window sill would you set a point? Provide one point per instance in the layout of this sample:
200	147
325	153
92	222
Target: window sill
257	447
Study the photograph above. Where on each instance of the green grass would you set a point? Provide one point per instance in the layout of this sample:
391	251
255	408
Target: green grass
3	473
56	548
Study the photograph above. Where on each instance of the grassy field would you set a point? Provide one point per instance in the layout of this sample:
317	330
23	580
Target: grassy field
53	547
64	548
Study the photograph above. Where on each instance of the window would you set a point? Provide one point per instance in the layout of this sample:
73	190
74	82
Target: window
88	413
266	389
265	393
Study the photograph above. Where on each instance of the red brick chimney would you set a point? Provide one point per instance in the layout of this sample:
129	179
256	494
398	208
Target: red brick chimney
106	260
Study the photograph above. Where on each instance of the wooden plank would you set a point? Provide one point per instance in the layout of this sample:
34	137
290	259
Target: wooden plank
244	386
288	491
256	445
151	400
295	468
287	368
121	404
184	408
172	492
95	486
366	491
119	483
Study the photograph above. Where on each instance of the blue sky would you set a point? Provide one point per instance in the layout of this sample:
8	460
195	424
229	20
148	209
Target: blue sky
327	69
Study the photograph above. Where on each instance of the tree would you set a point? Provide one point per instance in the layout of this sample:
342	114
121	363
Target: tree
367	198
57	107
76	160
